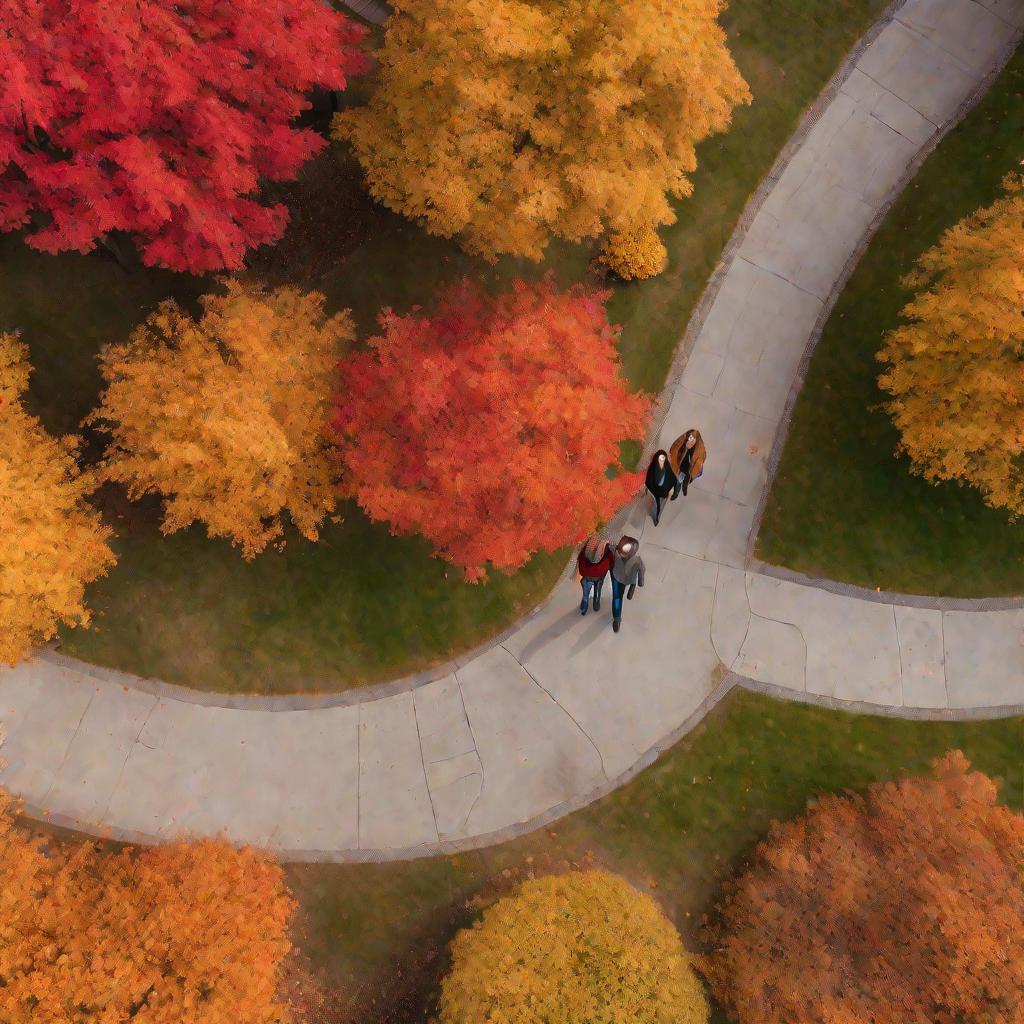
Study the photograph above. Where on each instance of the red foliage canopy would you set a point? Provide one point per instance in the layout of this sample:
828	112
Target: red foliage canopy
159	117
489	425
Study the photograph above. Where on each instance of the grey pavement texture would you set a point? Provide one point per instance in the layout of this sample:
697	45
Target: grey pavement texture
375	11
562	710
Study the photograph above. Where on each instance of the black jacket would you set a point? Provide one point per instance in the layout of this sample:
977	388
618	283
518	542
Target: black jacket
660	486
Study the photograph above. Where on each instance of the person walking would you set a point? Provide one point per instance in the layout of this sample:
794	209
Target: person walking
627	575
593	563
661	481
686	458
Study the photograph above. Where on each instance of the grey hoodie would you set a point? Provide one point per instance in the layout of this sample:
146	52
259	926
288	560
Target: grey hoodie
629	570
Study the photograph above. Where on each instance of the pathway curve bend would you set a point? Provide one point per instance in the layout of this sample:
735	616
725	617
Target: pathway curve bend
561	710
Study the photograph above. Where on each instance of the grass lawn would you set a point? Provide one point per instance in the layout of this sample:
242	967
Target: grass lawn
843	506
377	933
327	617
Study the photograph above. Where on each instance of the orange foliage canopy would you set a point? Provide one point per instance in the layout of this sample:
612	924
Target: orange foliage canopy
52	543
902	906
186	934
509	123
956	366
225	416
488	426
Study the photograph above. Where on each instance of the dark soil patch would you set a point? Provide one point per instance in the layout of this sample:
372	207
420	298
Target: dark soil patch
330	216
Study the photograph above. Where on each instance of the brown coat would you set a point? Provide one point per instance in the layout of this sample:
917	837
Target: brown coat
678	449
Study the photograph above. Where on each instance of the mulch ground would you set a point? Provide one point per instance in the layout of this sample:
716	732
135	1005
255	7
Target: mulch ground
331	215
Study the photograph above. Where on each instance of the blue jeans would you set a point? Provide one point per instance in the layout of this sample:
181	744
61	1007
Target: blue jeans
588	587
618	589
679	483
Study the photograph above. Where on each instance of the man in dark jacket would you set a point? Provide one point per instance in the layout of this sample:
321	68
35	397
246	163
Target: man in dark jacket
627	572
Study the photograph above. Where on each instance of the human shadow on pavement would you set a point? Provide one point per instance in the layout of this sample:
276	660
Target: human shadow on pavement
547	634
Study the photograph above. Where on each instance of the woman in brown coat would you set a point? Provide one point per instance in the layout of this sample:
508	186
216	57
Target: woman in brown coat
687	456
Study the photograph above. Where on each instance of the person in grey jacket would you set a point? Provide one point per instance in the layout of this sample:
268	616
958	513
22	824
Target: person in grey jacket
627	575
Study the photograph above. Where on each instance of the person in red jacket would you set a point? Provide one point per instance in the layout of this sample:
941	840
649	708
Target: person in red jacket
593	564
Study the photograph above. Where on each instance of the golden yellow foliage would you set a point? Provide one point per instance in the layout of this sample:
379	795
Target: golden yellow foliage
225	416
52	543
191	933
635	254
506	122
579	947
956	369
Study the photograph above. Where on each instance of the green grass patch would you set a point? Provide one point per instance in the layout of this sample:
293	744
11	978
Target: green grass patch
843	505
379	932
335	615
354	608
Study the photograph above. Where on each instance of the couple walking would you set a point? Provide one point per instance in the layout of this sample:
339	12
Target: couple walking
597	559
672	471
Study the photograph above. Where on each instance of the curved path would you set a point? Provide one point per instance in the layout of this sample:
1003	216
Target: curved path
562	710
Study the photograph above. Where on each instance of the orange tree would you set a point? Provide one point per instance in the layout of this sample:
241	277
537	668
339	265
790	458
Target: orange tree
507	123
902	905
52	543
956	367
191	933
225	416
489	425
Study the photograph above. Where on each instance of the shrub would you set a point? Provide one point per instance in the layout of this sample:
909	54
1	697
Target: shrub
585	948
634	255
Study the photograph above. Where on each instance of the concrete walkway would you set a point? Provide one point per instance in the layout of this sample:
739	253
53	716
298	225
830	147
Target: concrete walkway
561	711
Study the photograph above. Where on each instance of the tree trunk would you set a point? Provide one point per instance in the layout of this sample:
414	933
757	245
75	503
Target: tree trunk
114	248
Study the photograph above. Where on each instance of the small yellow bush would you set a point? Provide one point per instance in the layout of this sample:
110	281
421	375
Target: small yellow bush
634	254
577	948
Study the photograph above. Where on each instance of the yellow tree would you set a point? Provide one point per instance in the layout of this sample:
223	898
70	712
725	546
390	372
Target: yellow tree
507	122
224	417
956	367
192	933
52	543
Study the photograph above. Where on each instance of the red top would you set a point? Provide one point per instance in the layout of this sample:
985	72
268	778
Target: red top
595	570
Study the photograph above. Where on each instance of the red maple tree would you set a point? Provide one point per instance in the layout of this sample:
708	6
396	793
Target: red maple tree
489	425
159	118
